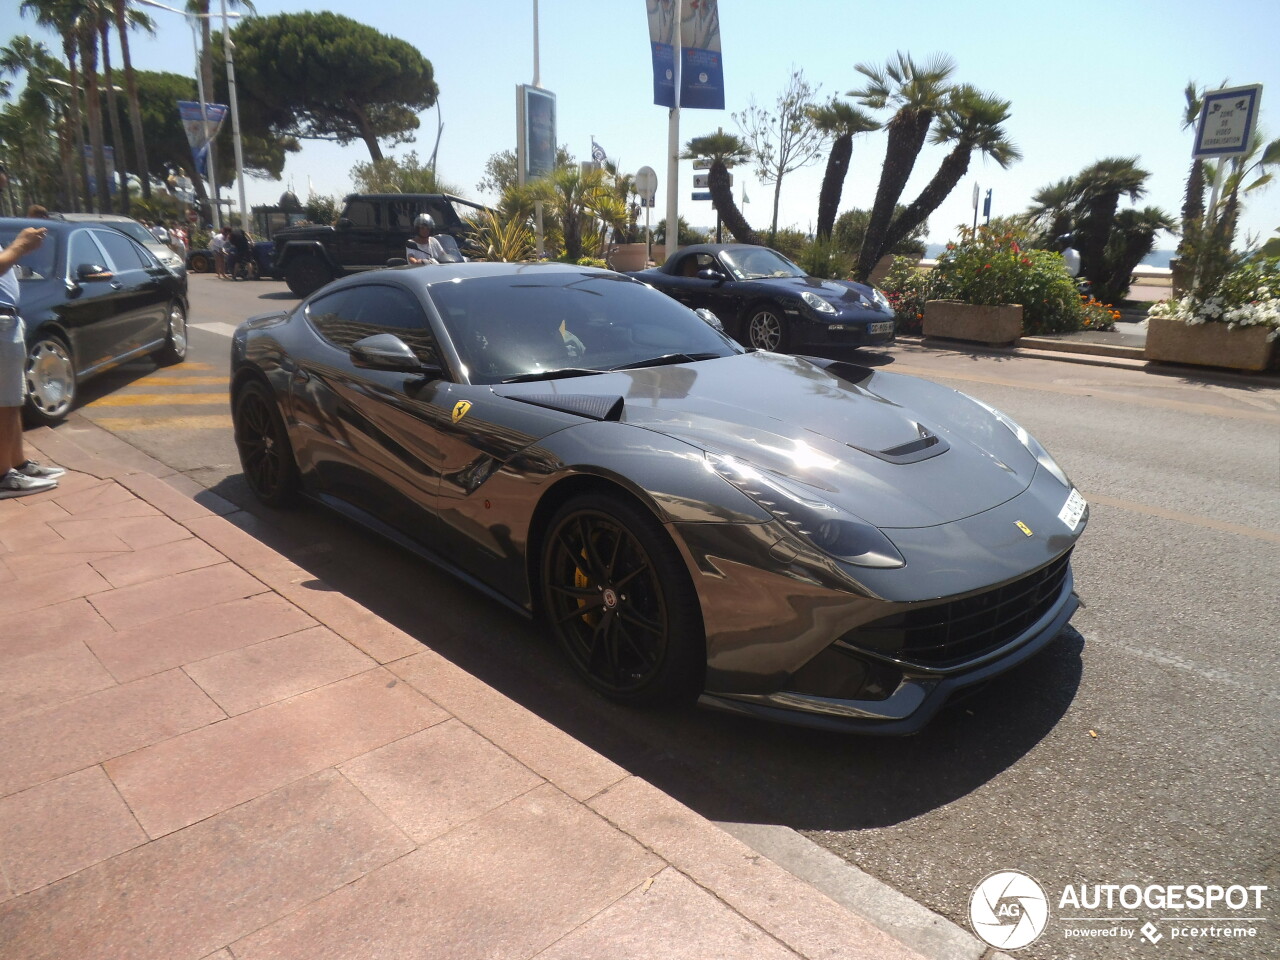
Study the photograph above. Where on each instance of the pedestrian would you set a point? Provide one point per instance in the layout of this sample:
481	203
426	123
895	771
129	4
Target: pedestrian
37	212
20	476
219	245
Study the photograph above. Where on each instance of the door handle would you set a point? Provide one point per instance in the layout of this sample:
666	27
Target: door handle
117	285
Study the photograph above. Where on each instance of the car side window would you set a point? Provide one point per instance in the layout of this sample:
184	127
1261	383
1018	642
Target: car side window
362	214
353	313
83	250
122	251
688	267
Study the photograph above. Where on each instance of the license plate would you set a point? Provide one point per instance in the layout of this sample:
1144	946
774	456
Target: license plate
883	327
1072	510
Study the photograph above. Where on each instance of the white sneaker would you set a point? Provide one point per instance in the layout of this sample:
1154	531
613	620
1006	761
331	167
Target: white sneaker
33	469
15	484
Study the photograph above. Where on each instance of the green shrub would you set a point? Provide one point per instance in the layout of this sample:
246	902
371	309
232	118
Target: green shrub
822	258
989	268
908	287
790	243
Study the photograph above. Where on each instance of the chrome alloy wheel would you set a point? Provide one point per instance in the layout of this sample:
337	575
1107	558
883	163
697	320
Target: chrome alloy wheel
51	379
764	329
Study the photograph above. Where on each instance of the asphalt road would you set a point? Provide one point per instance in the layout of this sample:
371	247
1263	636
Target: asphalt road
1139	748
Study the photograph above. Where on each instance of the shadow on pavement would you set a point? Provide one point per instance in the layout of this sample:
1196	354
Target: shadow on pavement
725	767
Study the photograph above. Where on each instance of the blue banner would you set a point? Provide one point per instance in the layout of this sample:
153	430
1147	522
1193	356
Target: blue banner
200	135
701	63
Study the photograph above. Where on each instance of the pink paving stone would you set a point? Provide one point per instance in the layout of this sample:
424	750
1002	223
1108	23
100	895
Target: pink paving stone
72	618
49	589
193	892
438	779
789	909
175	496
60	827
38	672
137	532
25	526
572	766
152	563
100	500
174	595
671	918
173	784
197	635
27	566
60	740
379	639
505	885
263	673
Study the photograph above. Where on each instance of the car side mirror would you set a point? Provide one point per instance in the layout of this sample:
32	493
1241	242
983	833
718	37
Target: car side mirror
709	274
397	262
92	271
386	351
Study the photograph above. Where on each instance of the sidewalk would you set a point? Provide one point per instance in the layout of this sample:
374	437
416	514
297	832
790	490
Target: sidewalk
207	753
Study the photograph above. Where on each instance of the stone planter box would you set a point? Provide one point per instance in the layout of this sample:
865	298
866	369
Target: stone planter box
628	256
1001	323
1208	344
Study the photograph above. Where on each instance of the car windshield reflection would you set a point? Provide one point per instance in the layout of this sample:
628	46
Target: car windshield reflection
759	263
519	327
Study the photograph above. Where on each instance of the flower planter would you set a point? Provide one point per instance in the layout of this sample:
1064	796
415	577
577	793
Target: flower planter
1001	323
1208	344
628	256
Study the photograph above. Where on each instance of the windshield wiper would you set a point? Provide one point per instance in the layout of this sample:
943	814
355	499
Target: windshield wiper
666	359
552	374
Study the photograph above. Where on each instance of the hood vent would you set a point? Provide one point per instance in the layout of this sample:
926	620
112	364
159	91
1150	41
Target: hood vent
580	404
924	447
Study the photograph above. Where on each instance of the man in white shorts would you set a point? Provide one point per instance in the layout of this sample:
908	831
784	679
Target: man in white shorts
18	475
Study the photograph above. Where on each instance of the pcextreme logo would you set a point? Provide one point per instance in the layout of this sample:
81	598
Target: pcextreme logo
1010	910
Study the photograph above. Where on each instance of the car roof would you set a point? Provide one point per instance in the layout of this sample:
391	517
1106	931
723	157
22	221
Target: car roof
21	223
424	277
91	217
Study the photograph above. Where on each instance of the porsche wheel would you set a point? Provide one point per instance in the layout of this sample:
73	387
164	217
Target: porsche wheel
619	602
263	445
766	329
51	381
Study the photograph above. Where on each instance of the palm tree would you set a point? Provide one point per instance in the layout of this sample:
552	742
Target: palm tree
917	93
90	13
126	17
1053	211
972	121
723	150
841	122
1099	188
1132	237
32	123
62	17
574	197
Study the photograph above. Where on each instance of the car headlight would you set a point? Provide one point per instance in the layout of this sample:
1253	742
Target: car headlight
816	302
879	297
814	520
1043	457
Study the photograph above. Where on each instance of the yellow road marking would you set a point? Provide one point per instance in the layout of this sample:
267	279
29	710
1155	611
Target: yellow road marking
125	424
197	366
161	400
1179	517
184	381
1184	406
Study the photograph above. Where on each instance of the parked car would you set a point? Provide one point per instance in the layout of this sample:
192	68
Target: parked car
371	230
798	539
264	252
92	298
768	302
133	229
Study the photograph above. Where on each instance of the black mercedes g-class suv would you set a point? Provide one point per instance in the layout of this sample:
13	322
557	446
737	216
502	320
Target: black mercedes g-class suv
371	230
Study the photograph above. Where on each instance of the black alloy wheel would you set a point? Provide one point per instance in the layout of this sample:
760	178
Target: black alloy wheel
618	599
766	328
199	263
306	274
263	445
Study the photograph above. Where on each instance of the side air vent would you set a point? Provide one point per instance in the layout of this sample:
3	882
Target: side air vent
579	404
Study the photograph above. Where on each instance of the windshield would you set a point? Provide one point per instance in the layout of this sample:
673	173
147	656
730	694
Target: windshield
760	262
535	322
131	228
38	264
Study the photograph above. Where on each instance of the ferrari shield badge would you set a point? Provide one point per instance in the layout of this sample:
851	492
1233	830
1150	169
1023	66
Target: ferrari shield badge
1021	526
460	409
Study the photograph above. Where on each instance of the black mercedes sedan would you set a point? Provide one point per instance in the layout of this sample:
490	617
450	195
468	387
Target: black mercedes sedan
787	537
92	298
767	302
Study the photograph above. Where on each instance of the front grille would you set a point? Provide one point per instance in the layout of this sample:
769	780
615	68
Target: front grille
952	633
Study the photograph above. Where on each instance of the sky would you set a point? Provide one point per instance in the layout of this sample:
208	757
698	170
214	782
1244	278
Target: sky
1087	80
